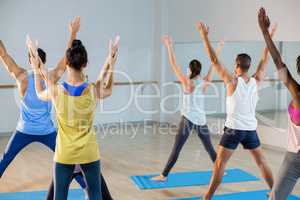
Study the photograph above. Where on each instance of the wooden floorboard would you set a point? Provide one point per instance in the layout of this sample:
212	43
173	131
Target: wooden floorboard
124	154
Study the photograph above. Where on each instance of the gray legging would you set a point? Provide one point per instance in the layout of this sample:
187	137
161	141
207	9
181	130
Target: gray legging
288	177
184	130
63	177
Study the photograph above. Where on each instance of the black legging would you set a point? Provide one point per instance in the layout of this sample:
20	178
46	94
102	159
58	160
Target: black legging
104	189
185	127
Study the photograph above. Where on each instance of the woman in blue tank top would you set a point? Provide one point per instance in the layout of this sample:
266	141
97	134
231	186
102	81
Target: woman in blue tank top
193	113
35	123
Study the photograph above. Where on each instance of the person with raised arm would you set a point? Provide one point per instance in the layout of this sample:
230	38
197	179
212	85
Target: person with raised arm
193	112
78	175
75	104
35	123
241	124
289	172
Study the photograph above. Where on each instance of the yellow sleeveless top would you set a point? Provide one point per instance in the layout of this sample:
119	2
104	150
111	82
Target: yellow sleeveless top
76	141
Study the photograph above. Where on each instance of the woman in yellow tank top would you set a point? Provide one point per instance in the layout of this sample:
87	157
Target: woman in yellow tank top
75	103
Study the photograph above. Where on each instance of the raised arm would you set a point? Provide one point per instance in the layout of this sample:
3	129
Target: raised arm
44	93
262	66
208	77
283	71
105	81
59	70
109	76
105	69
221	70
10	65
183	79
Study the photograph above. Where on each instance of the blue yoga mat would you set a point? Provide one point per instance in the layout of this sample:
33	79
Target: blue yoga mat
254	195
39	195
185	179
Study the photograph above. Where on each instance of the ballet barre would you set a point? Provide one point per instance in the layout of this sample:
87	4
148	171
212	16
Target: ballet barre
10	86
272	80
136	83
7	86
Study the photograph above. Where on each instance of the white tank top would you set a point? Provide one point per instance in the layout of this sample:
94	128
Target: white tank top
293	137
193	105
240	106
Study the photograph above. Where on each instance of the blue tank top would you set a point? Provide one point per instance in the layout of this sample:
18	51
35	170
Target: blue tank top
35	114
193	105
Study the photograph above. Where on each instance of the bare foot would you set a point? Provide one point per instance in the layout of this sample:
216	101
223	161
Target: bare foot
159	178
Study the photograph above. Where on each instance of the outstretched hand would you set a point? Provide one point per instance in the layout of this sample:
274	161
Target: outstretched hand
202	28
274	29
74	25
167	40
114	48
33	53
263	20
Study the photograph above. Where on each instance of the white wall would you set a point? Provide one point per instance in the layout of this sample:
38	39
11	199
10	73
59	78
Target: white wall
234	19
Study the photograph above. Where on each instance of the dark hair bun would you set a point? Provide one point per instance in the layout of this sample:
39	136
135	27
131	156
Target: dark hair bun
77	57
76	44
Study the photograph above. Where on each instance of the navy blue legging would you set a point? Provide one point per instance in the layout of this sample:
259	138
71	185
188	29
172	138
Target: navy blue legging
19	141
63	177
185	127
104	189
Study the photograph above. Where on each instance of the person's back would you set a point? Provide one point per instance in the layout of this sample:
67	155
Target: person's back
35	123
76	142
241	105
193	104
35	114
241	124
193	115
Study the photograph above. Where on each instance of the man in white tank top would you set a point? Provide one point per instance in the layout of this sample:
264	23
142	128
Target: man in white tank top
241	123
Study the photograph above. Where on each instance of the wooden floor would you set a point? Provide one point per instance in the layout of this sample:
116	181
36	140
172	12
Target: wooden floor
125	153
